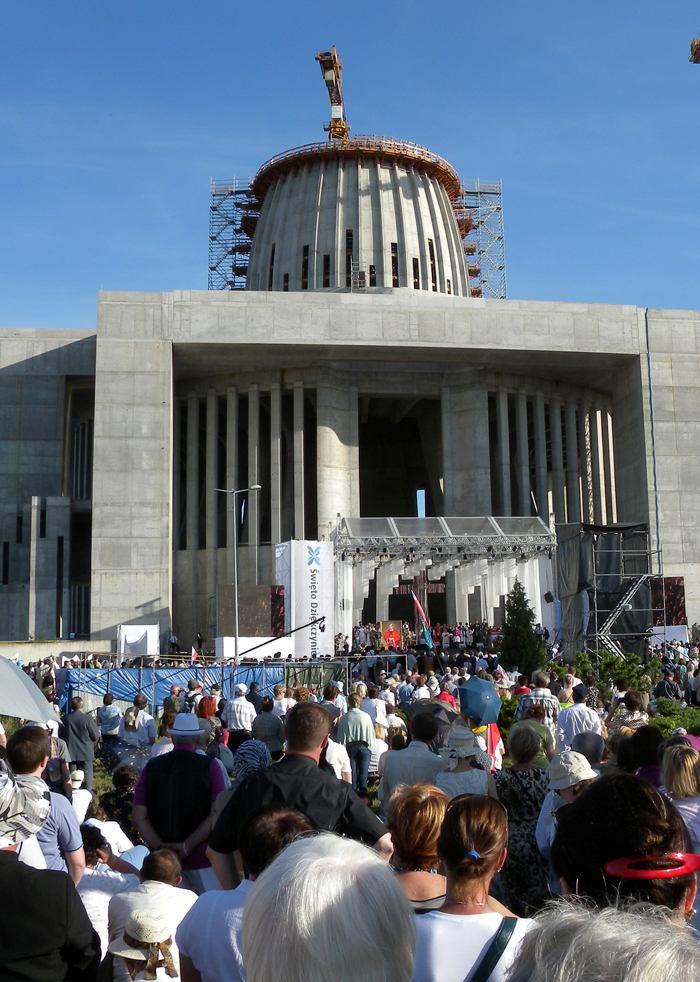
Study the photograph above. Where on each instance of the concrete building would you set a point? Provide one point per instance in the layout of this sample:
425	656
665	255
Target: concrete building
338	401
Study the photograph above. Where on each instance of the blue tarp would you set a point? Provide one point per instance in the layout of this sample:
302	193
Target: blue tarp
126	683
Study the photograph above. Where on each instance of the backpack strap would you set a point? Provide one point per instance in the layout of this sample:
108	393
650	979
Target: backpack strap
495	950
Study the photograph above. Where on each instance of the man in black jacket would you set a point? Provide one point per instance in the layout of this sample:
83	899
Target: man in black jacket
81	733
45	932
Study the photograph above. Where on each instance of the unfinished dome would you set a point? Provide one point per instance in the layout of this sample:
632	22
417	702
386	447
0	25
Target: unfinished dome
367	212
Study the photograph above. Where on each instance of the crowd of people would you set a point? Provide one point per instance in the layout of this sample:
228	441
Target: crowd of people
368	831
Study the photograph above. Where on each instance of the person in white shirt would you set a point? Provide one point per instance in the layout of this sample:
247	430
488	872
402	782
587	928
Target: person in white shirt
81	796
340	700
375	707
454	940
209	937
160	892
578	718
337	758
417	764
282	703
137	727
387	695
239	713
105	874
421	691
377	748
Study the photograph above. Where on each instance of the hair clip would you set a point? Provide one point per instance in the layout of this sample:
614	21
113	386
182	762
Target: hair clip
475	855
661	867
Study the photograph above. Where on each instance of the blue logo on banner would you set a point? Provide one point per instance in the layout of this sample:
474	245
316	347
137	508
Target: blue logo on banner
314	557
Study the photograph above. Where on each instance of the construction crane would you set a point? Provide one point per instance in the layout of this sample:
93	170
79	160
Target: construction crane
694	55
332	71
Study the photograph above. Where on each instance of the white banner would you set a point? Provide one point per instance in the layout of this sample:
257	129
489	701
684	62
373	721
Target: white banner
305	569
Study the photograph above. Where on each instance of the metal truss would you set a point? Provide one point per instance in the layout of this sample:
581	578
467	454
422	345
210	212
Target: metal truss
479	211
233	213
440	547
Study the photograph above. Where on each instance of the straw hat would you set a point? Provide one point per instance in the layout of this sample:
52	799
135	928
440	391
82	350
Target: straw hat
147	937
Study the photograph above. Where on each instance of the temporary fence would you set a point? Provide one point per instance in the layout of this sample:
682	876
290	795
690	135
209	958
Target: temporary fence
91	684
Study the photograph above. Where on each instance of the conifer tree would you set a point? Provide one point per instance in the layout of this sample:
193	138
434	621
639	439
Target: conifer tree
521	646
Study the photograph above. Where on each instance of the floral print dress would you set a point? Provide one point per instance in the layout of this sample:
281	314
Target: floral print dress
523	877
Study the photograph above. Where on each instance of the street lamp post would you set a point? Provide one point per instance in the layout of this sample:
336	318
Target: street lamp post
235	492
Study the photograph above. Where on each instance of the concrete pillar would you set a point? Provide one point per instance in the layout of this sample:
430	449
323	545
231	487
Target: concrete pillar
33	566
503	452
211	484
386	579
193	471
211	505
275	463
298	460
607	465
337	454
252	499
541	459
596	466
585	464
524	503
177	465
231	467
573	493
465	450
557	458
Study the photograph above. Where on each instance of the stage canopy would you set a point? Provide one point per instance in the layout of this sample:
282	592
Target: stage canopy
438	539
485	553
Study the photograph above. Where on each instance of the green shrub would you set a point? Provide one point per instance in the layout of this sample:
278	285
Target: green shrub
669	715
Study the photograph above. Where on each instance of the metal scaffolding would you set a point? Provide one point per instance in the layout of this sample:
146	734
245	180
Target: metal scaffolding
479	211
233	213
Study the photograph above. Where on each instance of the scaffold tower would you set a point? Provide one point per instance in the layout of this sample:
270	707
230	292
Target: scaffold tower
479	211
233	212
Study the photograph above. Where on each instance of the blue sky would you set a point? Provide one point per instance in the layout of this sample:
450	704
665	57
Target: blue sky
114	118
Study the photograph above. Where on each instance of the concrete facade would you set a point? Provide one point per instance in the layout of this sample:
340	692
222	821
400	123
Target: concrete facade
192	390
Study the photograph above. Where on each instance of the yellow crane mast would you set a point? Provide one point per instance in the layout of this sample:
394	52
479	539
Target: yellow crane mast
332	71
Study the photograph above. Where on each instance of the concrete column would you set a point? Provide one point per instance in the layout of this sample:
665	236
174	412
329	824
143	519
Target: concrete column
252	499
524	502
298	460
193	471
466	466
177	503
585	464
541	459
337	454
573	493
231	467
275	463
33	566
557	458
503	452
211	492
607	465
596	466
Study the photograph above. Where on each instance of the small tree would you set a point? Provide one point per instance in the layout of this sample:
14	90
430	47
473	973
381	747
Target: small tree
521	646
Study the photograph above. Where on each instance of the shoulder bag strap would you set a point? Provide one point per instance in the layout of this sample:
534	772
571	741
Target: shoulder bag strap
495	950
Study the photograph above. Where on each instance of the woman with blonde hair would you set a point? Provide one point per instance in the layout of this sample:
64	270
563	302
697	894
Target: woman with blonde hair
680	781
414	818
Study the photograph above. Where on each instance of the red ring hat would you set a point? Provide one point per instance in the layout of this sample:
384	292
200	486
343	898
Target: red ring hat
662	867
